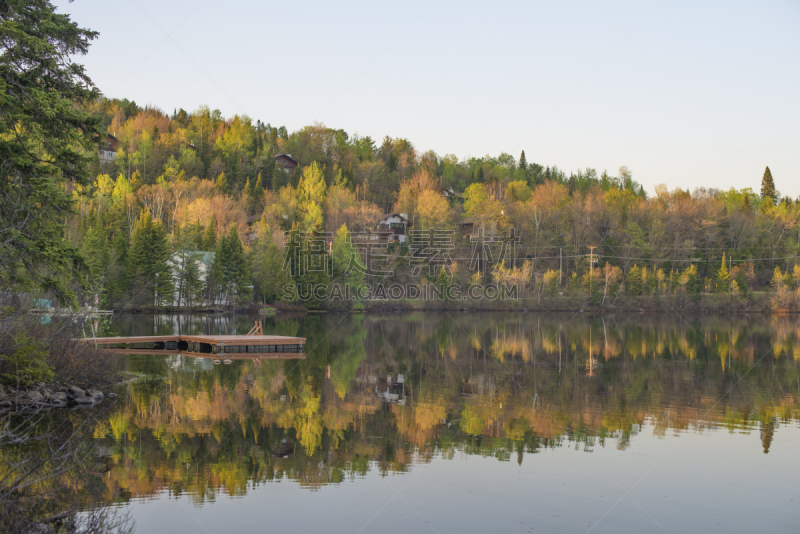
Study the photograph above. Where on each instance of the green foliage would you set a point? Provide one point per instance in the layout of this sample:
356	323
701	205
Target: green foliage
633	281
43	133
768	186
346	261
149	256
692	283
230	269
27	364
210	235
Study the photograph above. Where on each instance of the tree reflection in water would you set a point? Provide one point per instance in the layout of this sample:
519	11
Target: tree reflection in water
385	392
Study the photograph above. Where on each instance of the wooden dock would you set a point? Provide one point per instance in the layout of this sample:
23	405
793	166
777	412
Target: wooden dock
252	345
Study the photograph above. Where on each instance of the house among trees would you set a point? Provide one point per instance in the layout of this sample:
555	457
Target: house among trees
450	194
392	227
286	162
190	275
467	226
108	148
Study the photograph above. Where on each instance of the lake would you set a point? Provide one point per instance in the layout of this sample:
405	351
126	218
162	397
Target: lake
464	422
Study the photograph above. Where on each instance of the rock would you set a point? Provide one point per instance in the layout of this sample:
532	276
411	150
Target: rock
58	396
83	399
2	393
5	404
35	396
112	395
95	393
47	392
75	391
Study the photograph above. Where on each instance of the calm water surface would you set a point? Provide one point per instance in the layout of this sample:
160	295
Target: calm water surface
465	423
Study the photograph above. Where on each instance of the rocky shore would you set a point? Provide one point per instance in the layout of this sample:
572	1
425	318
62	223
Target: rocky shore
50	396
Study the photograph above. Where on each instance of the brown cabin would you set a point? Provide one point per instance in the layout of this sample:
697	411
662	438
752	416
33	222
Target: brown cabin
467	226
286	162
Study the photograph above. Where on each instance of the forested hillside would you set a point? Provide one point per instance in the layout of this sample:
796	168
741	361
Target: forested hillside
197	181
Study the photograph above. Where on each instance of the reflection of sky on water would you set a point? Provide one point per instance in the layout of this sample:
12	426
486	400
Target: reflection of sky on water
707	481
487	417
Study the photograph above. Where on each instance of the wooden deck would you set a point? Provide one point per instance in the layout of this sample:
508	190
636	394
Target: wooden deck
203	344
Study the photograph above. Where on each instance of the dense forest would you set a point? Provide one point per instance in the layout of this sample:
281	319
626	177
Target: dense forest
184	184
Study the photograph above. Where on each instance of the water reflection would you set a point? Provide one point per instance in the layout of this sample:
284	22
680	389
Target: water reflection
383	393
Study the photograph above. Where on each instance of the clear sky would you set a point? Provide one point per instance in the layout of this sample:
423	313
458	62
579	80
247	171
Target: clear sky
685	94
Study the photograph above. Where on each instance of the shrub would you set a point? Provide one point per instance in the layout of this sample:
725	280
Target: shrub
27	364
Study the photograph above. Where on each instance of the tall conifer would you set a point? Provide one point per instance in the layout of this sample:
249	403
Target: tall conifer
768	186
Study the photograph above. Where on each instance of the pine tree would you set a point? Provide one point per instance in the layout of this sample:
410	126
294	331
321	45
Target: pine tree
149	259
258	190
247	192
634	281
523	163
221	184
210	235
47	138
234	268
768	186
279	179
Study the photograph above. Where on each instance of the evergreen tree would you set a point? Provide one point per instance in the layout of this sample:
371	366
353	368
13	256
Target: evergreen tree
47	140
210	235
247	193
279	179
234	269
96	253
149	260
221	184
523	163
768	186
633	281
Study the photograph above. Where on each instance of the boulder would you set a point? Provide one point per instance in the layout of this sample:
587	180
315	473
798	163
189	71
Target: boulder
58	396
83	399
96	394
74	392
111	395
35	396
5	404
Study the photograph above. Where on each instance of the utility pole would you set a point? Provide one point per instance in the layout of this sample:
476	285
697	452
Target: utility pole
591	267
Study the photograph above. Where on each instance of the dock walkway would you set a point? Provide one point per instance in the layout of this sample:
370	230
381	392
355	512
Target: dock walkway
211	344
254	343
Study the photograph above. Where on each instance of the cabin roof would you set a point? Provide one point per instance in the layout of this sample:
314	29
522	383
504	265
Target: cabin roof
387	215
287	156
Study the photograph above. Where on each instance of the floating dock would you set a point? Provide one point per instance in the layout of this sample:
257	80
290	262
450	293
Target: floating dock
252	345
203	344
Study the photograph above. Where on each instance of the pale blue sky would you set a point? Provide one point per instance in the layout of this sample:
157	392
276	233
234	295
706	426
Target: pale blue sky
682	94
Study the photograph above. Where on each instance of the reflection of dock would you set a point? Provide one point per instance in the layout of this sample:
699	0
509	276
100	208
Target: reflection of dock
252	345
230	356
